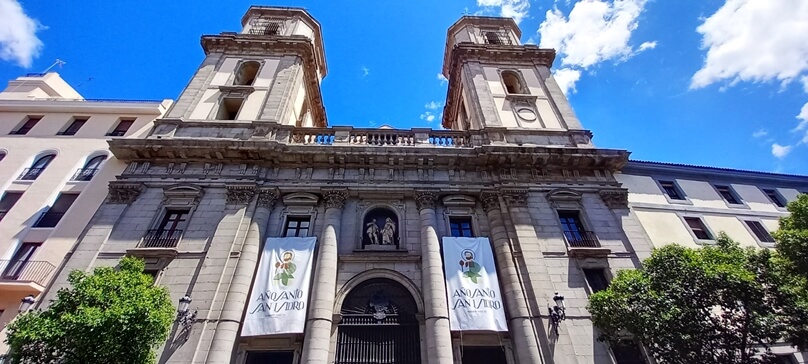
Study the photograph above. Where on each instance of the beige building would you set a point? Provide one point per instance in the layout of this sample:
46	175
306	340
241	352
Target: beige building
55	165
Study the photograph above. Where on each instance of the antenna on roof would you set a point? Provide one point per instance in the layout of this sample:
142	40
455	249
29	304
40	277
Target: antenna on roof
88	80
58	62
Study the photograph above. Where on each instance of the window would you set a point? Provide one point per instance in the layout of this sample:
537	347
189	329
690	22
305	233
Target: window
297	226
229	108
493	38
55	213
483	354
698	228
168	231
627	352
513	84
245	76
2	155
728	194
27	126
173	219
73	127
775	197
671	190
30	174
596	278
90	168
267	26
7	202
122	127
461	226
274	357
17	265
760	231
574	231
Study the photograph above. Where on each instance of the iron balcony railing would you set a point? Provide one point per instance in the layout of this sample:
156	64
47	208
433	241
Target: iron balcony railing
159	238
36	271
49	219
84	174
30	174
117	133
581	239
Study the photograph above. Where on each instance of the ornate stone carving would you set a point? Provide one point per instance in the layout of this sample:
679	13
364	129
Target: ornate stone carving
334	199
240	194
515	198
490	201
267	198
124	193
426	200
615	199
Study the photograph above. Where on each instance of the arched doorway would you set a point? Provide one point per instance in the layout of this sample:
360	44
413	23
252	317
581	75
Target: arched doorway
378	325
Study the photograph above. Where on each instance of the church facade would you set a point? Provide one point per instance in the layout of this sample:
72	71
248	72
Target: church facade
245	159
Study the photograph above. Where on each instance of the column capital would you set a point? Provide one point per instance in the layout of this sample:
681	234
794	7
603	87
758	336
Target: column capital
515	198
614	199
267	197
335	198
426	200
240	194
490	201
124	193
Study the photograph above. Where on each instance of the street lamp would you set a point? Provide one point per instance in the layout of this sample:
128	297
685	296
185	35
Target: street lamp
557	312
26	303
184	315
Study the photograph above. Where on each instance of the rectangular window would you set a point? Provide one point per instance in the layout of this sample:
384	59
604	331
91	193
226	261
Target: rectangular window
274	357
698	228
19	261
596	278
775	197
483	354
229	108
671	190
122	127
574	231
174	219
7	202
461	226
27	126
728	194
74	127
627	352
760	231
297	226
55	213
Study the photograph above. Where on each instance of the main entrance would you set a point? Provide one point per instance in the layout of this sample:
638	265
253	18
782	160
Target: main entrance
378	325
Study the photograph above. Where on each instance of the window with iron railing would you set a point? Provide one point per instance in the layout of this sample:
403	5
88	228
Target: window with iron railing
55	213
30	174
497	38
265	26
168	232
14	268
574	232
90	168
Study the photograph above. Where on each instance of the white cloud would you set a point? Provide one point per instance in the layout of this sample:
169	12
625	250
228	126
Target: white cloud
595	31
442	79
566	79
647	45
760	133
18	40
433	105
780	151
365	71
428	116
516	9
803	117
756	41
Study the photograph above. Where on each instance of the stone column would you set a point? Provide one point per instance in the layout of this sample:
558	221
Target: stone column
317	340
224	339
438	336
525	343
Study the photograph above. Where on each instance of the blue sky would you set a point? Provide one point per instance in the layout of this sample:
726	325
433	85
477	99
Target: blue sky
708	82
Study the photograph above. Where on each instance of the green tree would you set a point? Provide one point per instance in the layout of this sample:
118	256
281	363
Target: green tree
110	316
717	304
792	249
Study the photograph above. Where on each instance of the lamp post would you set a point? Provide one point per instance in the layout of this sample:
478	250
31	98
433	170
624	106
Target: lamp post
184	315
557	312
26	303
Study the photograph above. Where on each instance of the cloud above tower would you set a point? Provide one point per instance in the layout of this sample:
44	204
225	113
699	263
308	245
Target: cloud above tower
18	40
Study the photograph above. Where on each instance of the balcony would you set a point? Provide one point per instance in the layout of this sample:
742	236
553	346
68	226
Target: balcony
584	244
30	174
84	174
117	133
28	277
159	238
49	219
380	137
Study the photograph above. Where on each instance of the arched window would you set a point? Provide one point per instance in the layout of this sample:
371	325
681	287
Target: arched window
513	84
90	168
246	73
492	38
37	168
95	162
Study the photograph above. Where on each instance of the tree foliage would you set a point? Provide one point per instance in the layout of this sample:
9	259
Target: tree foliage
716	304
110	316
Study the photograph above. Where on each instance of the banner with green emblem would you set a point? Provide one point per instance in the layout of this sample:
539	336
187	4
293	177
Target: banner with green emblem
475	301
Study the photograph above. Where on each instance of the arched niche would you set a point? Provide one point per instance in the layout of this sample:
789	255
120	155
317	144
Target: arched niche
381	229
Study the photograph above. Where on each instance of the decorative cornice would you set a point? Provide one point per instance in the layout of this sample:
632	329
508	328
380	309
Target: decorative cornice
124	193
334	199
490	201
240	194
426	200
614	199
268	197
515	198
185	193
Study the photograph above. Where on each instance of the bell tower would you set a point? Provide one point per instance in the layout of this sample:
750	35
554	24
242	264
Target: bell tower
270	71
495	81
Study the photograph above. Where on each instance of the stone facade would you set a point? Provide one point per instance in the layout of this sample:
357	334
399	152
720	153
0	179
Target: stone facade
226	174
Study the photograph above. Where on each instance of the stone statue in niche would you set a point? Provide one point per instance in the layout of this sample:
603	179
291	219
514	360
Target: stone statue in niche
380	230
389	232
373	232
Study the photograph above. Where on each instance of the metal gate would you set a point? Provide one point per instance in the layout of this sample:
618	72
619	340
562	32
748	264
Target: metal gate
378	325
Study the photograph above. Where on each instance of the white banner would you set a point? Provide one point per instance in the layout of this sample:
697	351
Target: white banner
280	295
475	301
